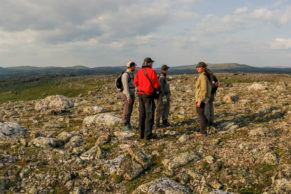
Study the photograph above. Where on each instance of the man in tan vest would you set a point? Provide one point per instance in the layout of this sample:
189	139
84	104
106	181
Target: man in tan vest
202	95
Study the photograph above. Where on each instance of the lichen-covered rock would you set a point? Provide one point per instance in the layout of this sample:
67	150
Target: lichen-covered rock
9	130
257	86
163	185
180	160
94	153
129	168
56	103
270	158
103	139
141	157
123	135
65	136
45	142
113	166
104	119
75	141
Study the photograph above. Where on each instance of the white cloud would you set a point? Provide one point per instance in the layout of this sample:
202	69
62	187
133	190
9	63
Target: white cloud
281	43
243	18
241	10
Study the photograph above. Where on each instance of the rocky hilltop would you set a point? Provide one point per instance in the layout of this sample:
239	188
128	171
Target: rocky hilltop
59	144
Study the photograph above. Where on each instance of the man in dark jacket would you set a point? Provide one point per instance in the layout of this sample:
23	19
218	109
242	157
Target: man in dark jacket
163	102
146	81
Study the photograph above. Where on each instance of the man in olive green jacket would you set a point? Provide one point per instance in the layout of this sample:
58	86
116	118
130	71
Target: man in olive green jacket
202	95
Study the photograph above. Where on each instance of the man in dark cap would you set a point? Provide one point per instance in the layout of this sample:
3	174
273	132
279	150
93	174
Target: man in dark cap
163	102
147	82
202	95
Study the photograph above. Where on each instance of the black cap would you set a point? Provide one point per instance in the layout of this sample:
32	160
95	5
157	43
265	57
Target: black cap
165	67
148	60
201	64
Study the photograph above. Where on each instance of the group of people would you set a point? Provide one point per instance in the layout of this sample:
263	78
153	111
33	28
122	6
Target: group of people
154	97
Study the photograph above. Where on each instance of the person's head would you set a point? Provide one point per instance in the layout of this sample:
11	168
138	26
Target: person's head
148	62
131	66
165	69
201	67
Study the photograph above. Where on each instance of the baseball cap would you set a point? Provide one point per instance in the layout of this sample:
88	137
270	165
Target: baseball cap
130	64
165	67
148	60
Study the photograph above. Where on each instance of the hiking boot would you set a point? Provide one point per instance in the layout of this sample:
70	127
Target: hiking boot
132	127
151	136
126	127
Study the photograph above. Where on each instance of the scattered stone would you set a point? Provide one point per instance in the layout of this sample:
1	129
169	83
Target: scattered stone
104	119
184	138
209	159
163	185
257	86
259	132
92	154
45	142
141	157
103	139
129	168
180	160
10	130
113	166
56	103
270	158
123	135
75	141
65	136
194	175
217	191
230	98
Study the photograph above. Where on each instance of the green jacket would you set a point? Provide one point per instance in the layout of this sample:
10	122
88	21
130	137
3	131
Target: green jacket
203	89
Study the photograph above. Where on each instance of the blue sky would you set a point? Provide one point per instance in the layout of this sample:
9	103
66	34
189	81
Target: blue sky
110	33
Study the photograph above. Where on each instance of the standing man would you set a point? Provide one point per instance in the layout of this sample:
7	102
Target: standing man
146	81
128	93
202	95
163	102
209	109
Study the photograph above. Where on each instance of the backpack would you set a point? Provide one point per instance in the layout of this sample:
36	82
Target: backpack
118	82
214	83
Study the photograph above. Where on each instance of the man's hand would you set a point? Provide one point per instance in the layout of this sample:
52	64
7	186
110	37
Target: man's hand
198	105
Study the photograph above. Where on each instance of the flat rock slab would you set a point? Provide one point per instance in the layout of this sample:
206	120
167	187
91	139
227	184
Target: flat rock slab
163	185
104	119
180	160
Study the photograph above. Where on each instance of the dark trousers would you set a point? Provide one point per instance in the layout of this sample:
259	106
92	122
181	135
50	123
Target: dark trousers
146	115
163	109
202	118
127	109
209	112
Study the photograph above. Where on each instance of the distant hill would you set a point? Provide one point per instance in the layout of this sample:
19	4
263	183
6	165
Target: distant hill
230	68
24	71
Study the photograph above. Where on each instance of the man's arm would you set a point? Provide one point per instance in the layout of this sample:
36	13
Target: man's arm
125	78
